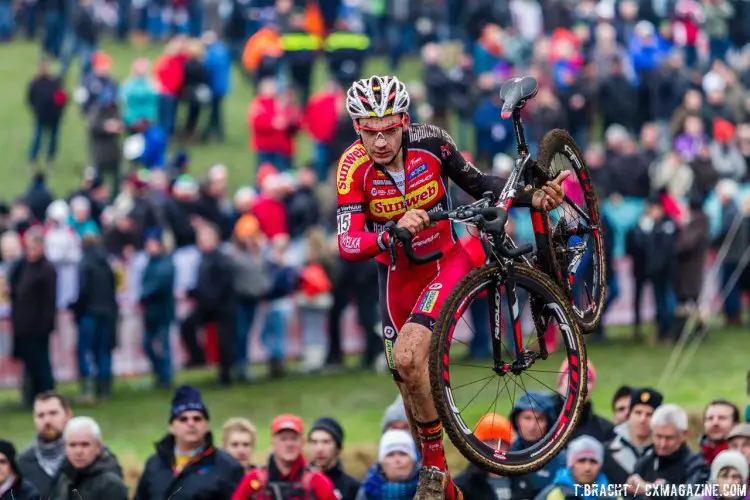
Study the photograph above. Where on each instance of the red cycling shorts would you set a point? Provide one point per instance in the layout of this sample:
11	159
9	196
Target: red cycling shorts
415	294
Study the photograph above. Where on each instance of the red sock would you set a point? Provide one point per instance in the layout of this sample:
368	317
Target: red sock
431	434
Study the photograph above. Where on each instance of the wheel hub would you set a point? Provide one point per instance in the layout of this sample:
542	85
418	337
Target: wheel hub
527	359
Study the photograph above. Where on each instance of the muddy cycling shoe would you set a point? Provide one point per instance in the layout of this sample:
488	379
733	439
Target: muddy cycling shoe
433	484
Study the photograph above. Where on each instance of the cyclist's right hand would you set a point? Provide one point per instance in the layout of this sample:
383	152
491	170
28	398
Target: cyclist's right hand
414	220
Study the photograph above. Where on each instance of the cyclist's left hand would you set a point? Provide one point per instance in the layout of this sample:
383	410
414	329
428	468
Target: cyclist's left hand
551	194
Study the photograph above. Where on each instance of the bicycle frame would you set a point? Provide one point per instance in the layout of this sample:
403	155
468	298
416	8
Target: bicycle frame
520	171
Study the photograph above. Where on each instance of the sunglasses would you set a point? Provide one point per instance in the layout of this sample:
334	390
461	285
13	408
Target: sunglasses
195	419
371	133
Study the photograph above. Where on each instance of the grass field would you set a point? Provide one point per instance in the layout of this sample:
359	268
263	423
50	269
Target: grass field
18	67
135	417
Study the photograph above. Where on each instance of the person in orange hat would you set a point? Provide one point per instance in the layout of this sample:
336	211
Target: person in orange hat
253	281
286	472
495	431
725	155
97	84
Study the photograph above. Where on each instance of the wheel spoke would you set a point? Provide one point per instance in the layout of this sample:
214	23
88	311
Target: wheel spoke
477	394
470	383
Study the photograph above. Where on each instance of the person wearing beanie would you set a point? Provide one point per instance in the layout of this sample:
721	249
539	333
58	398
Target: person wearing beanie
530	418
719	417
495	431
157	300
253	281
326	439
186	459
632	437
730	471
286	473
13	486
584	460
395	416
739	439
179	208
396	474
589	423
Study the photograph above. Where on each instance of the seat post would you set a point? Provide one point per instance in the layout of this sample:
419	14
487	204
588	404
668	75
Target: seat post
523	148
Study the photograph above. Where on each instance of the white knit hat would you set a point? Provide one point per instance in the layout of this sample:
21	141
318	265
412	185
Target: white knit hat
584	447
730	458
397	440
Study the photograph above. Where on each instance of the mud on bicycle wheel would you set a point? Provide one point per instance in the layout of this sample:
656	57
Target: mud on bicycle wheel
445	374
575	230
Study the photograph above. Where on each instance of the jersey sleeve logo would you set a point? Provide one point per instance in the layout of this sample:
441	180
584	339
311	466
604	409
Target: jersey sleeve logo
350	161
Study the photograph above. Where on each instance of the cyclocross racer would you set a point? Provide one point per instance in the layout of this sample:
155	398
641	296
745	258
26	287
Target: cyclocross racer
398	171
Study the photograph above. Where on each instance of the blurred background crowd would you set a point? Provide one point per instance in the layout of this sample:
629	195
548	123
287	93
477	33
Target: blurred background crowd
655	92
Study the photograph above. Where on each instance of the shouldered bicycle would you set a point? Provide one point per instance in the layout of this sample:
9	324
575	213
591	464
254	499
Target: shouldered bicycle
544	276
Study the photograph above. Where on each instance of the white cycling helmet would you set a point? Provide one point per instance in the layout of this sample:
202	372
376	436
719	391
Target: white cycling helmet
377	96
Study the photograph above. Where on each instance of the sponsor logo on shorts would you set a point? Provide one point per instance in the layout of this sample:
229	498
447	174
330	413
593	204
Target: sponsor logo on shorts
435	286
428	302
354	158
389	354
418	171
391	207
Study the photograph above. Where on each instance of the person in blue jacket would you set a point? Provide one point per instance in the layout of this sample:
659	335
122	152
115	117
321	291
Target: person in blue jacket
532	415
583	477
218	64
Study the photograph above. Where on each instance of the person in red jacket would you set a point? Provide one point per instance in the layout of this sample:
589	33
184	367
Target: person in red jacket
269	209
273	119
321	120
169	73
287	474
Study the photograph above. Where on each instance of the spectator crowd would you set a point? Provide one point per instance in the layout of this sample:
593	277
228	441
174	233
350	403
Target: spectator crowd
646	446
656	94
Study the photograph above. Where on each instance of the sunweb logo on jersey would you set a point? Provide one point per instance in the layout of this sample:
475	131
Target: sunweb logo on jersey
390	207
348	165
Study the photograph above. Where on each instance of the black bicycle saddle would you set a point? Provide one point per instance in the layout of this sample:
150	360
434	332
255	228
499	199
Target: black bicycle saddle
515	92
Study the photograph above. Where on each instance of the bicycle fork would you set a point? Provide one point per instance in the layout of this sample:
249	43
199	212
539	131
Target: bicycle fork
523	358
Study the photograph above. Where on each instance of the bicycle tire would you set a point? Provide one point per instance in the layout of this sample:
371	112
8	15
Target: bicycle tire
556	142
559	432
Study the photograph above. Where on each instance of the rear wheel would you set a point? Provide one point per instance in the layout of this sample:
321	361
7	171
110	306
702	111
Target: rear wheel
457	384
575	230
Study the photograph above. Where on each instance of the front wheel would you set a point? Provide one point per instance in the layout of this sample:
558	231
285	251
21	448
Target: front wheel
574	230
466	390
